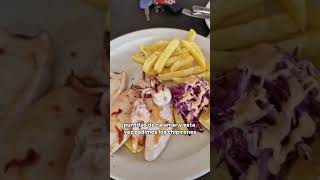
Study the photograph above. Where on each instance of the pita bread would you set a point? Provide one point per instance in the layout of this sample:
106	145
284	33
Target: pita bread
25	73
119	84
88	160
45	142
40	145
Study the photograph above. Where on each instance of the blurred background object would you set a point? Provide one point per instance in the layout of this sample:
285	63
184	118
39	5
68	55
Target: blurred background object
126	17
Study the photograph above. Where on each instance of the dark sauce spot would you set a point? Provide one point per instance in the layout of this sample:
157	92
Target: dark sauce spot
51	163
148	96
31	158
56	108
22	36
73	54
80	110
2	51
117	112
120	135
97	130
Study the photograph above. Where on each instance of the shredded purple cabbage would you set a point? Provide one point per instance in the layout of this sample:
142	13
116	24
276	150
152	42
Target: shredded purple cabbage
185	107
239	146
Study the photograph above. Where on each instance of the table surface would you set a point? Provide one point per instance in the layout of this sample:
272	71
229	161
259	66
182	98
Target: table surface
126	17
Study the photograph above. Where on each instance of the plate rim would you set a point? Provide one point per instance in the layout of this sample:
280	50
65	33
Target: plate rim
147	30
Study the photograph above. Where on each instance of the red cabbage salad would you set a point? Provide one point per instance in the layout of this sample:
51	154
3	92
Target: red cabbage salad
264	111
191	99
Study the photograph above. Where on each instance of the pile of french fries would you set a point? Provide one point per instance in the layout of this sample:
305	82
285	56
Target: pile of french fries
173	60
290	24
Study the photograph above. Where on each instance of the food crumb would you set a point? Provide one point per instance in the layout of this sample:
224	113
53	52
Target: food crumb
73	54
56	108
97	130
51	163
80	110
67	131
2	51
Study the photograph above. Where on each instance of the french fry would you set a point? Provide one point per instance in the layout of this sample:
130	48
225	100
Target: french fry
208	67
150	62
129	146
144	52
195	53
165	70
191	35
147	50
151	48
181	63
223	9
204	75
204	118
151	73
179	80
139	58
272	28
156	46
185	67
166	54
243	17
181	73
173	59
180	51
307	43
297	9
196	47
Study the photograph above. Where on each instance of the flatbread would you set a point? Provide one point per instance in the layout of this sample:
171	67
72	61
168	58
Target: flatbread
118	83
25	73
88	160
40	145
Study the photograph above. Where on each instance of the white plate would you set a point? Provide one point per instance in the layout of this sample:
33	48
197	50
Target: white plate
208	19
185	157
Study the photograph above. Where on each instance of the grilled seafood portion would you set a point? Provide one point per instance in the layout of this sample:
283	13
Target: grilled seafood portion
88	157
120	113
140	114
160	106
148	102
118	83
155	143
